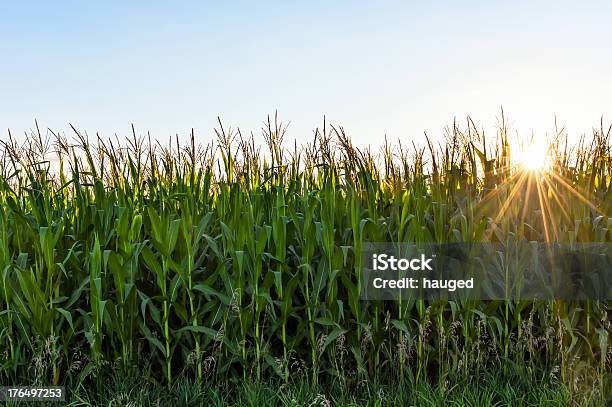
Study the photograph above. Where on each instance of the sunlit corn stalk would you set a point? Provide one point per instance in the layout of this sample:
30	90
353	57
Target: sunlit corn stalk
98	303
164	237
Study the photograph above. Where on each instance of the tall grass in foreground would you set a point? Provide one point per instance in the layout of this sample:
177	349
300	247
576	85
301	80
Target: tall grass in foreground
226	262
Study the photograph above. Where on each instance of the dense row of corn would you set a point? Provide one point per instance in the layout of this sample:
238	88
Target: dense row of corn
230	262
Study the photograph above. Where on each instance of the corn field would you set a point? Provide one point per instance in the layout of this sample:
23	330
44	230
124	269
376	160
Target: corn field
232	261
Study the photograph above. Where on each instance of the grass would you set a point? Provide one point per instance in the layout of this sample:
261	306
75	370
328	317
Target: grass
489	391
237	268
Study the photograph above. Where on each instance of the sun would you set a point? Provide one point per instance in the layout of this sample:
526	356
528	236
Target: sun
534	157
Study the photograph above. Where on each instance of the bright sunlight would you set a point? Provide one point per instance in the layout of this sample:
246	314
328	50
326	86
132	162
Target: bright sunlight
535	156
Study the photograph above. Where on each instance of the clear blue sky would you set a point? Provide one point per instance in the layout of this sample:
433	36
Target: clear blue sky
376	68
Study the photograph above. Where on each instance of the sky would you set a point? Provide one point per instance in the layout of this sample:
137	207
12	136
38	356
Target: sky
394	69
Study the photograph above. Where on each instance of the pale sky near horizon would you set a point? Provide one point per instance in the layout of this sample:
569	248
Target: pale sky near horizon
384	68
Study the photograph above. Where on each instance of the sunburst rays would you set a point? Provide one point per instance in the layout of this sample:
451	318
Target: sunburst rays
536	195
